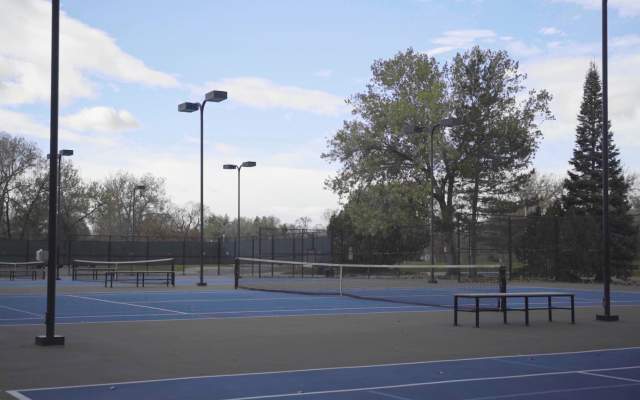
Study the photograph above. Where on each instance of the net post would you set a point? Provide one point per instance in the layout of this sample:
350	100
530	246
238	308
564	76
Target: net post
503	278
503	286
236	273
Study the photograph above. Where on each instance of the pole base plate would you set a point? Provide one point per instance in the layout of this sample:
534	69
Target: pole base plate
202	283
607	318
44	340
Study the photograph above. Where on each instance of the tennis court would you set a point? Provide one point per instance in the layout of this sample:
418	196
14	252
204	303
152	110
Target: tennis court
85	306
614	373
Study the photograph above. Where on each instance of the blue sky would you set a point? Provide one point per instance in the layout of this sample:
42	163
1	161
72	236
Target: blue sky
288	66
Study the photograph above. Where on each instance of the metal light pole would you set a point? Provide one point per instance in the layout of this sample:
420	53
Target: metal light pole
133	209
606	300
445	123
50	338
247	164
215	96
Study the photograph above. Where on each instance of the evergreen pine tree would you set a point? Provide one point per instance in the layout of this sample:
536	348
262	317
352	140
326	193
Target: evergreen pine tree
583	187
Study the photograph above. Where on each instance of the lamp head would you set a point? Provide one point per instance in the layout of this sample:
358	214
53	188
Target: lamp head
65	152
248	164
216	96
188	107
140	187
229	166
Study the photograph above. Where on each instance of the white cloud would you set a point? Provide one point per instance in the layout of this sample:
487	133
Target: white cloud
324	73
463	39
460	39
265	94
17	123
100	119
626	8
625	41
551	31
272	188
25	26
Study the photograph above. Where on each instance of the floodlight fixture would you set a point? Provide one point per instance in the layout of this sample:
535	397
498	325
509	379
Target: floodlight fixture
248	164
216	96
188	107
66	152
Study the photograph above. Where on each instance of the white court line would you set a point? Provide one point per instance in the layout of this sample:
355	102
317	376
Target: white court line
125	304
250	313
620	378
22	311
454	360
196	318
376	388
18	395
415	384
297	298
543	392
389	395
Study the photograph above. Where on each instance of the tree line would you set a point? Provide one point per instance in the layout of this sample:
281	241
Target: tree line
111	206
482	164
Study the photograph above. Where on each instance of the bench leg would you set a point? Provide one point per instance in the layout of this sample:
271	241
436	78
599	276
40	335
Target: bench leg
455	310
573	310
549	308
526	310
477	312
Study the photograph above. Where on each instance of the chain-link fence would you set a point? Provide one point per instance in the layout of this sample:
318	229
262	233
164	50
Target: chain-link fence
567	248
302	245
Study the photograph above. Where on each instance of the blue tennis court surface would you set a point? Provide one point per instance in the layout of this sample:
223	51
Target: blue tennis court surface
613	373
172	304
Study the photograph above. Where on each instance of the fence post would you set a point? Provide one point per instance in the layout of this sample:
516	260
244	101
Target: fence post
253	251
510	246
259	251
458	250
273	249
556	256
219	252
293	246
184	255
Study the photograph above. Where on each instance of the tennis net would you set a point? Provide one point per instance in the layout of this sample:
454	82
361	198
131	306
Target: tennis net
416	284
29	269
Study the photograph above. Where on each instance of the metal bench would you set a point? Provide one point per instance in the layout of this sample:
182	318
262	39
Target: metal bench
141	277
503	307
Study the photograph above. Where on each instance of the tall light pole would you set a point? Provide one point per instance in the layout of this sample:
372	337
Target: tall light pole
215	96
445	123
50	338
61	153
606	300
133	209
247	164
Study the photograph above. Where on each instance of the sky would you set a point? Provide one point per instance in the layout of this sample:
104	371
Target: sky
288	66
